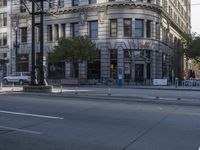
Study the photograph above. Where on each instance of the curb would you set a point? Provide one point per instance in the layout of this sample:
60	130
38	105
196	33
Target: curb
133	99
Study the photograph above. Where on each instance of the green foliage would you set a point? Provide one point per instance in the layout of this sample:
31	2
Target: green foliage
191	45
77	49
80	48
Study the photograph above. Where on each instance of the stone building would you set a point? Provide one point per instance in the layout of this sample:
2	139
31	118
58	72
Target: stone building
139	40
5	40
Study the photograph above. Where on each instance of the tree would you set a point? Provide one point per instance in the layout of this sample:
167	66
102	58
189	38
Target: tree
191	48
75	50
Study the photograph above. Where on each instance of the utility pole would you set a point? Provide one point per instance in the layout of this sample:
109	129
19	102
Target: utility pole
33	75
41	57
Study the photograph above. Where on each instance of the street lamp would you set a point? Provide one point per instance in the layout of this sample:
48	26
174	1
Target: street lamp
41	69
16	44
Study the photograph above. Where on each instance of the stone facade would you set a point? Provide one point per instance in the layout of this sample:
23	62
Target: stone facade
150	51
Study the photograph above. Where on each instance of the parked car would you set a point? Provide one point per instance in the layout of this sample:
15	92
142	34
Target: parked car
20	77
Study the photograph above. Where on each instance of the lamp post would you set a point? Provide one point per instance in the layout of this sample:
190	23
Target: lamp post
41	60
16	44
33	75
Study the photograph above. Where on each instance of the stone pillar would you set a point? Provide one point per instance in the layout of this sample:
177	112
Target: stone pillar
120	61
60	31
145	71
153	65
67	70
120	28
133	27
159	64
153	30
53	32
67	30
105	63
83	29
145	28
132	66
82	70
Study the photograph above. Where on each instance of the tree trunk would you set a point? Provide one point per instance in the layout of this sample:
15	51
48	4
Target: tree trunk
186	67
74	67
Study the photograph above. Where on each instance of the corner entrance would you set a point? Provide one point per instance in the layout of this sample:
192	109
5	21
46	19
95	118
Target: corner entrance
139	73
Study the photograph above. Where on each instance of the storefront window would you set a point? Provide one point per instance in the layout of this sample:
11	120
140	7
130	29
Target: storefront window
22	63
113	63
94	68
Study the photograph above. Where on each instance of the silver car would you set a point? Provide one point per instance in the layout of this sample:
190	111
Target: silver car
20	77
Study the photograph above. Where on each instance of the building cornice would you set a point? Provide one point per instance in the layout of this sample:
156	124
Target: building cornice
103	7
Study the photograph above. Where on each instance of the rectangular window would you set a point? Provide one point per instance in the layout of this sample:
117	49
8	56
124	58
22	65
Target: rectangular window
113	28
4	39
63	30
49	33
37	32
113	63
24	34
3	19
3	2
148	28
61	3
74	29
1	39
128	27
51	3
127	54
93	29
22	7
139	28
56	32
75	2
92	1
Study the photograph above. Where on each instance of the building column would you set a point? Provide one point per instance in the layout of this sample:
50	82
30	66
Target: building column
145	28
105	63
60	31
67	30
120	62
133	27
67	70
153	64
159	65
82	70
153	30
132	65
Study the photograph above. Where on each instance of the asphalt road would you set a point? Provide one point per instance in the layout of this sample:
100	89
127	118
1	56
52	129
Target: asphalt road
56	123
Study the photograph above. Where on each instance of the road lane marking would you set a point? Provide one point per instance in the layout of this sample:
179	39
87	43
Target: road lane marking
20	130
32	115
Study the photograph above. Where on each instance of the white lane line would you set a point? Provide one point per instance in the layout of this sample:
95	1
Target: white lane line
20	130
32	115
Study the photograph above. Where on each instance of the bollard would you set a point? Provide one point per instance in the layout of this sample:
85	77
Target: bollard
76	90
109	91
1	86
61	89
13	85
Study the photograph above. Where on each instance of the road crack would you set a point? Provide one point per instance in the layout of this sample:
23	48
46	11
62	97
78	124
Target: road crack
144	133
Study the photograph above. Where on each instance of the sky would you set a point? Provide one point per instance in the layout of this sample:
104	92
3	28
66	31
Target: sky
195	16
